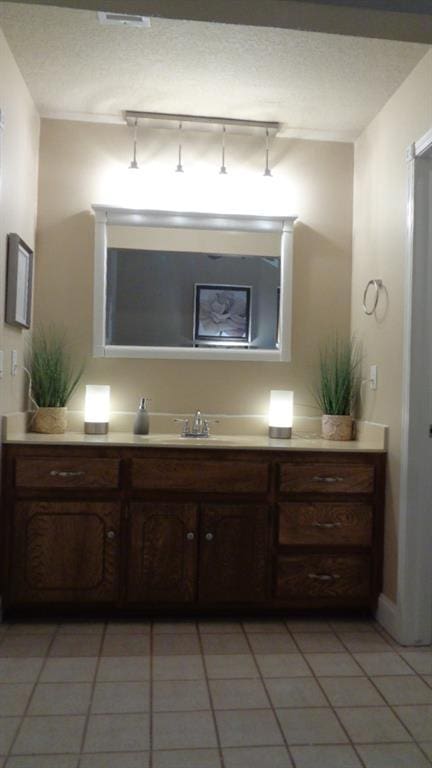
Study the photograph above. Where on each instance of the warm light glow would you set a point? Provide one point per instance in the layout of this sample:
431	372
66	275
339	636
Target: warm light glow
281	408
201	188
97	404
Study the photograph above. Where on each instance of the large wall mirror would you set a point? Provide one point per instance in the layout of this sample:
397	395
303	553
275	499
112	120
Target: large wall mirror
192	285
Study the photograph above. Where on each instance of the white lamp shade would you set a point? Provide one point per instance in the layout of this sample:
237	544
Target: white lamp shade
281	408
97	403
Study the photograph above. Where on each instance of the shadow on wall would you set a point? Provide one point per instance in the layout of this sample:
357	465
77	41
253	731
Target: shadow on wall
64	275
321	290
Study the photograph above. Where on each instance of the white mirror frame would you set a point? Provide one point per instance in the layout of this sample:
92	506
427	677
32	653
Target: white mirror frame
173	219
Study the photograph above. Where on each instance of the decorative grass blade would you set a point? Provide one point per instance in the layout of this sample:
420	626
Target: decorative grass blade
338	387
53	376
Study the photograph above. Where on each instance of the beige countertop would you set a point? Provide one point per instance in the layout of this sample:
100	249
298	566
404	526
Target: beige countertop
236	442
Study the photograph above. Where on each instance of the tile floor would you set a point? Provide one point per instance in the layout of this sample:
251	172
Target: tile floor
251	694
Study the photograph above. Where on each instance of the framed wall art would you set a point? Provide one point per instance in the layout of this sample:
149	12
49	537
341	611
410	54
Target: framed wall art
222	314
19	282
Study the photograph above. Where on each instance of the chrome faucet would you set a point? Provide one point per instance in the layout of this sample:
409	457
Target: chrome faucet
199	428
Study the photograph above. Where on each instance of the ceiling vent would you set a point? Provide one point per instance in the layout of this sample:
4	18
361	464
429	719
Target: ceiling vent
123	19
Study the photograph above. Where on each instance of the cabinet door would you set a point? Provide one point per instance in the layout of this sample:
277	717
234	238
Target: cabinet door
233	553
162	552
65	552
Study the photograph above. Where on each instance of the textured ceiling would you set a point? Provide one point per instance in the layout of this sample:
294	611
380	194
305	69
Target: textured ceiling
311	82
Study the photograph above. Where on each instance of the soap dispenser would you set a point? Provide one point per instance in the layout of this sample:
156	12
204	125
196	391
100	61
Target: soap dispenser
142	420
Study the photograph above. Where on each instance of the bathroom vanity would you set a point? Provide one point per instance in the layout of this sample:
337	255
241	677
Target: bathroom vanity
162	526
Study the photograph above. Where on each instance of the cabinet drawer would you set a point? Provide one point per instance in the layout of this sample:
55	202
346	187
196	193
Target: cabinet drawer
66	473
321	477
323	576
205	476
327	523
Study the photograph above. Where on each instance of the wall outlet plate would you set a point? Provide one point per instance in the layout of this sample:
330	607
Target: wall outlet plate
14	362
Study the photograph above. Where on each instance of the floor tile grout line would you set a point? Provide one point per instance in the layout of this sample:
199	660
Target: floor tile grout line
273	709
390	706
316	678
110	712
151	690
45	658
352	652
408	663
365	675
209	693
92	693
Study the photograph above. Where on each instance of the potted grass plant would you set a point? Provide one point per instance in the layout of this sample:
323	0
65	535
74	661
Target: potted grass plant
338	387
53	379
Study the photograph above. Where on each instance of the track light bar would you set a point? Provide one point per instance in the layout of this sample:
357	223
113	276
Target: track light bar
162	119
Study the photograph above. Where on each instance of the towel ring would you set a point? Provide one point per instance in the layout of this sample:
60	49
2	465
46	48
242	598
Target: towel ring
377	284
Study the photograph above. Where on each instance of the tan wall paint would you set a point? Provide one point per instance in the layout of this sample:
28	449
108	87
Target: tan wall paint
379	251
18	199
77	160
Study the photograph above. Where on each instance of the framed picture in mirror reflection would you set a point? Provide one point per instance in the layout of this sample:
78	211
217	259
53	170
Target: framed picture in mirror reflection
222	314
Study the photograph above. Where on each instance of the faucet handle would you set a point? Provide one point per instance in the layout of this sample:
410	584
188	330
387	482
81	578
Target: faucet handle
185	427
206	423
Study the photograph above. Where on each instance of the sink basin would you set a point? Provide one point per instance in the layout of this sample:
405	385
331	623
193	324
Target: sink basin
191	441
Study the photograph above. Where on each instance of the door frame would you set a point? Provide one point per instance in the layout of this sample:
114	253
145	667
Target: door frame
414	598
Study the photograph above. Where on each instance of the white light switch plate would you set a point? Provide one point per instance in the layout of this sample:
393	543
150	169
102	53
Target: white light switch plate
373	377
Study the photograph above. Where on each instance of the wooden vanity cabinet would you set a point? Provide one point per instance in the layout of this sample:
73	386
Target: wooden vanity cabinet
330	530
206	542
170	543
61	527
65	552
161	557
234	553
190	529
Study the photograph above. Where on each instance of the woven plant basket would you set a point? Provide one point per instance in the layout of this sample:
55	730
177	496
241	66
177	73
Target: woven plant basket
336	427
50	421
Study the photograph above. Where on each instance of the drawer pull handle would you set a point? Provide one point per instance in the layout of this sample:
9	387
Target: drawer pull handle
326	525
110	535
323	576
56	473
209	537
190	536
325	479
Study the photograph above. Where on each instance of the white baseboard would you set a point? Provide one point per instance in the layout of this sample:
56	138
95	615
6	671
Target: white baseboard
387	615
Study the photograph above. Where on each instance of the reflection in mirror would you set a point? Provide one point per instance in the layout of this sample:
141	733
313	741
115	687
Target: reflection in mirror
169	298
193	286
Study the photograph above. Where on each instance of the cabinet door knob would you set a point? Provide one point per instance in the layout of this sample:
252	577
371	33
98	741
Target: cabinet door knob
209	537
190	536
110	535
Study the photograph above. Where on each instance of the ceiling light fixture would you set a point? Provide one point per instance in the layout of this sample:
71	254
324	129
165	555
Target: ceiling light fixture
179	168
134	164
223	170
203	123
267	171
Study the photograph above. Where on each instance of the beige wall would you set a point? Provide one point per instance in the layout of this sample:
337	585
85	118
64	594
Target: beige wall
80	164
379	251
18	198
